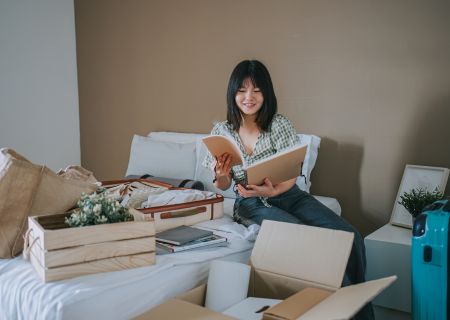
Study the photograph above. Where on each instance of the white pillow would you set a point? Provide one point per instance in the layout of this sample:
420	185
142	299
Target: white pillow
162	159
201	173
176	136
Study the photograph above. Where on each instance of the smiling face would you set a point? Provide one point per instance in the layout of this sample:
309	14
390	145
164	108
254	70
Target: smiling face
249	98
250	95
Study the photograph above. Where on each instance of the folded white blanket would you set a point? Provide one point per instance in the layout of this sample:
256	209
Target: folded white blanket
224	227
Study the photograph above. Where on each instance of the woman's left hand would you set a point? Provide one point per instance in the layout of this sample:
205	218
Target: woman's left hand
265	190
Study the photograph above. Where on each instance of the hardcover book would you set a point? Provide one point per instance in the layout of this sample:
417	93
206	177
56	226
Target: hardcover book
182	234
282	166
211	241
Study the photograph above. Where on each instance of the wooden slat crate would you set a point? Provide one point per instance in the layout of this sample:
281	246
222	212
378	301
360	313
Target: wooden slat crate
59	252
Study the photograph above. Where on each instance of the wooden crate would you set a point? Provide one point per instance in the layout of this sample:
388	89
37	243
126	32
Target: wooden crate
59	252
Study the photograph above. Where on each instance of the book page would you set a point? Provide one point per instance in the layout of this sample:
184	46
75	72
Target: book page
279	167
219	145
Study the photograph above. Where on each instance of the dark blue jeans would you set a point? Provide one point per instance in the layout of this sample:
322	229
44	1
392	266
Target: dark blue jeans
297	206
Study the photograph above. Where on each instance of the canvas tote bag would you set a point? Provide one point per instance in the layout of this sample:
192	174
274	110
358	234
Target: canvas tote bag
30	189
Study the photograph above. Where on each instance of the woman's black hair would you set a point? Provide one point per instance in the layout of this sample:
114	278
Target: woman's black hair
260	78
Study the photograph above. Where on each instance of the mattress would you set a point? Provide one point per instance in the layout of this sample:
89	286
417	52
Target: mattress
121	294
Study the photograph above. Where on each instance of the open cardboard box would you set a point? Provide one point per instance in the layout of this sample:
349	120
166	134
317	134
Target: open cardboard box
304	265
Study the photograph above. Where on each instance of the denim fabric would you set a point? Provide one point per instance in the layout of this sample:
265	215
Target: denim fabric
297	206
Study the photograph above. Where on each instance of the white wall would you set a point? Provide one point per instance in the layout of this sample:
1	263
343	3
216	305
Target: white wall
39	115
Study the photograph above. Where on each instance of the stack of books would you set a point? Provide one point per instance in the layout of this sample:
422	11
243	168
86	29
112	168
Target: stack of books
187	238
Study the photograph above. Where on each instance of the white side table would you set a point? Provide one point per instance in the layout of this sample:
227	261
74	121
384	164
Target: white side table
388	252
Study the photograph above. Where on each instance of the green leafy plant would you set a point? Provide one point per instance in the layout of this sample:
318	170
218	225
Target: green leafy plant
97	208
417	199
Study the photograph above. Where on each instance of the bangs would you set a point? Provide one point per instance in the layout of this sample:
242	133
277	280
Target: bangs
251	79
257	80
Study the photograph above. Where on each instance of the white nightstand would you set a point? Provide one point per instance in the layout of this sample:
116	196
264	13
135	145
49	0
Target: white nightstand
388	252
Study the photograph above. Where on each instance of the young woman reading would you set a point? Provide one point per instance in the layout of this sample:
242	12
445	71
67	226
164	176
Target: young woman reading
259	131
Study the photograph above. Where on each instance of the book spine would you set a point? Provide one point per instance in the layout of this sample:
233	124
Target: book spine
168	241
178	243
197	245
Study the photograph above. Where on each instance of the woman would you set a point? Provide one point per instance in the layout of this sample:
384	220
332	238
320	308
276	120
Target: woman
253	122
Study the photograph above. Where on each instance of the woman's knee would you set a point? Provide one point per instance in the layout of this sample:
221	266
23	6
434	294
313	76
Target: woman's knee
255	210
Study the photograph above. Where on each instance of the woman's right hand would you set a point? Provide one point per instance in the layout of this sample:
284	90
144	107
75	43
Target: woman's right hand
223	165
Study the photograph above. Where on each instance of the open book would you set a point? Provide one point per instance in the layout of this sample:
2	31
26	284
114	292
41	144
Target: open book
280	167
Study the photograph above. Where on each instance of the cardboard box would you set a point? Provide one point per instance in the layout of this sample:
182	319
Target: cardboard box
58	252
305	264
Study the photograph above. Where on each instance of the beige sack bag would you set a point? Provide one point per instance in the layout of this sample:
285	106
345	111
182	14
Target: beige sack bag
30	189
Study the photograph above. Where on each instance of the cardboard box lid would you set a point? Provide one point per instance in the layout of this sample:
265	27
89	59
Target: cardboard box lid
347	301
308	253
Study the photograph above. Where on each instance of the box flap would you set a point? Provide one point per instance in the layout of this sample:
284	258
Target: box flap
195	296
309	253
297	304
250	308
347	301
178	309
272	285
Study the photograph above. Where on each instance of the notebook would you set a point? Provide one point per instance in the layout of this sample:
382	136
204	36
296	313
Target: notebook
208	242
182	235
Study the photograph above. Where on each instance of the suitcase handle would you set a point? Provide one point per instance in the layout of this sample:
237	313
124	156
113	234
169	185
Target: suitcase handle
180	214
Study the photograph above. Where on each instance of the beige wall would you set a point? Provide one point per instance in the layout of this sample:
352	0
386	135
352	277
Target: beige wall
372	78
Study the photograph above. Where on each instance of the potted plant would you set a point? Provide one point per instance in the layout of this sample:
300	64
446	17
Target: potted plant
417	199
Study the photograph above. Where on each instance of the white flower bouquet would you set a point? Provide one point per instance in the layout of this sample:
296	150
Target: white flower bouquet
97	208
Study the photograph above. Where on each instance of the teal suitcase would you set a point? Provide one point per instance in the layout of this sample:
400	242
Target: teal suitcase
430	261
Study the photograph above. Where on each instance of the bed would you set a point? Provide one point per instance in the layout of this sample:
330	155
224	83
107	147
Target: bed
129	293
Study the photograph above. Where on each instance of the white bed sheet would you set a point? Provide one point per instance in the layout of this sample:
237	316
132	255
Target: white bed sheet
114	295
